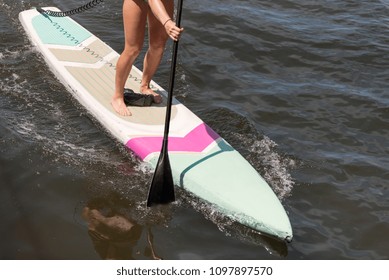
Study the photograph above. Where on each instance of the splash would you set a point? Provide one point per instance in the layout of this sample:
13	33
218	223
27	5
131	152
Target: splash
259	150
12	84
274	167
262	153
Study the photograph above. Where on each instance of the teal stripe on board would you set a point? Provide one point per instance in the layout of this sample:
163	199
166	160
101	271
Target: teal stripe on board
59	30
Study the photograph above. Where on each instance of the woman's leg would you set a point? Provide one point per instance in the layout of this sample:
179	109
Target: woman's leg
157	42
134	19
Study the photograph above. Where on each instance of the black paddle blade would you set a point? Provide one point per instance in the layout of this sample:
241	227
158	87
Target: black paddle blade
162	186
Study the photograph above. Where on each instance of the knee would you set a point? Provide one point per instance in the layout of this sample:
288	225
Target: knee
132	51
157	49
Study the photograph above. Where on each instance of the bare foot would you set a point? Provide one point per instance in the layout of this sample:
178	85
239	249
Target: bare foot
146	90
120	107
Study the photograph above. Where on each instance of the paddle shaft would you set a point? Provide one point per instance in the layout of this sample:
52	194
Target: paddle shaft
171	82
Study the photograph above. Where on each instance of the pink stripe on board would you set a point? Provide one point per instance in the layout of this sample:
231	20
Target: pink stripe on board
195	141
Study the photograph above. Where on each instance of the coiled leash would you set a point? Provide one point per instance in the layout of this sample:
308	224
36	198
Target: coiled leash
78	10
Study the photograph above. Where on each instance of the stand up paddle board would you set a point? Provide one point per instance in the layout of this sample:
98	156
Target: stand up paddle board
202	162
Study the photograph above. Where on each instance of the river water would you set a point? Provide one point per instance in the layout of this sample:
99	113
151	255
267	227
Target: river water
299	87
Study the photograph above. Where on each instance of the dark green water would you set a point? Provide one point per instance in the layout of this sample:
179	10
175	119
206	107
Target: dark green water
300	88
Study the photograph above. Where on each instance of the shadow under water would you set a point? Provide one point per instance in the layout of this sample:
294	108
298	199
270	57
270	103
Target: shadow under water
114	231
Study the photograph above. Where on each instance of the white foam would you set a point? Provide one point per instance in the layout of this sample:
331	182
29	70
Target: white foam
276	174
24	127
272	166
144	167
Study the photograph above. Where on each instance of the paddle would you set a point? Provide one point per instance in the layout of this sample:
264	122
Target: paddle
162	186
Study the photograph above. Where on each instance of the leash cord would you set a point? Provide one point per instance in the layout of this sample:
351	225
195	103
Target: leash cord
78	10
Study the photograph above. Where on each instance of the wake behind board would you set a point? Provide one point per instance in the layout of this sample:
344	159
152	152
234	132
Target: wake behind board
202	162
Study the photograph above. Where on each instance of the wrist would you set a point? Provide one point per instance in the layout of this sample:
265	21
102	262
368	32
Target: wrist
166	21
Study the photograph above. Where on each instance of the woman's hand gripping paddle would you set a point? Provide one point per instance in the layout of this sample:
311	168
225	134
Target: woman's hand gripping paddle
162	186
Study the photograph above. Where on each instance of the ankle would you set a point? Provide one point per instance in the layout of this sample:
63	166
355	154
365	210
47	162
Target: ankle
145	86
118	95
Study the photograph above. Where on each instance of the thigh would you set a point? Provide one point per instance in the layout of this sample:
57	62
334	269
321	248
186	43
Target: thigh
134	20
157	33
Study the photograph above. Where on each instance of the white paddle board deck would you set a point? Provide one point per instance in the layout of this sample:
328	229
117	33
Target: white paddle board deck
202	162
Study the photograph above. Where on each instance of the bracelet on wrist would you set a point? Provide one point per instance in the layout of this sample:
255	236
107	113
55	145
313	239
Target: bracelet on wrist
167	21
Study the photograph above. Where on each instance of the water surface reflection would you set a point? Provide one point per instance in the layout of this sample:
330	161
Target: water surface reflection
114	231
